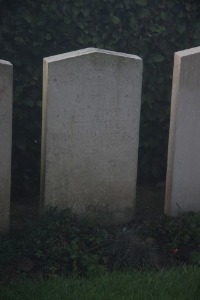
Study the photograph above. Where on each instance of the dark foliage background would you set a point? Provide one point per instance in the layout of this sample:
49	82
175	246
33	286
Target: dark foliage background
154	30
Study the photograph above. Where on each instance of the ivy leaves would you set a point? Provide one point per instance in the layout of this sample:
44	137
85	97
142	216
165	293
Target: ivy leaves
141	2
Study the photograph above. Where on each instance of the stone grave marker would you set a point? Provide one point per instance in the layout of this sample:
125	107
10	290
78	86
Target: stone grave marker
6	85
183	169
91	112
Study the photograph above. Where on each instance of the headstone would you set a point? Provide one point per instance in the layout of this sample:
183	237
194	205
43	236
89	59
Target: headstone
183	170
91	112
6	85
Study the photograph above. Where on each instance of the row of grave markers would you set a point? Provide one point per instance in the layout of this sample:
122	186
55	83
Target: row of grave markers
90	134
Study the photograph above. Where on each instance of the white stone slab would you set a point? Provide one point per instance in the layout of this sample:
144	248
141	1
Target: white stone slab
91	112
6	85
183	170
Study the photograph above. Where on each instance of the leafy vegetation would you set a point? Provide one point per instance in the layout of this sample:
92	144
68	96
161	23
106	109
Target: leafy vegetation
154	30
59	244
180	236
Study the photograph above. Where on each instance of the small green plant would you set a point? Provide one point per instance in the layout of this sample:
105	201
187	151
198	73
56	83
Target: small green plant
62	244
8	249
180	236
57	244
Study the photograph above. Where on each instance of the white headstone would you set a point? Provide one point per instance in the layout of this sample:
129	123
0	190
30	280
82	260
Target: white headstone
91	112
6	86
183	170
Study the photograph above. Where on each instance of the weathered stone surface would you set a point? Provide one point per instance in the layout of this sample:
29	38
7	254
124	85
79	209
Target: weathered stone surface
6	79
91	111
183	170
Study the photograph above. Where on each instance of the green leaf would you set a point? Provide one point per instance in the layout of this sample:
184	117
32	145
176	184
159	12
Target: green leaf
67	20
157	28
163	15
181	28
156	58
28	18
116	20
188	7
141	2
85	11
30	103
48	37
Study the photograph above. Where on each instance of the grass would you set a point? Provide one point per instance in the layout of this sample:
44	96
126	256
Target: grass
176	283
60	244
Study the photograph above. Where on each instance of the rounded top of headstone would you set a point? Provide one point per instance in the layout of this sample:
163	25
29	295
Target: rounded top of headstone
87	51
5	62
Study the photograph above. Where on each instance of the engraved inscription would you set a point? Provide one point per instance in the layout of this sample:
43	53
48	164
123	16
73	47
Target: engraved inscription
106	134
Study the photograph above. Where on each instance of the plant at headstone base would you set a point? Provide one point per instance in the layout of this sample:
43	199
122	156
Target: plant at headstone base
8	250
154	30
133	249
179	236
60	244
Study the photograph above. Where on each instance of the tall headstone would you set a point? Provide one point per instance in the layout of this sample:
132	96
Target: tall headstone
91	112
183	169
6	86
